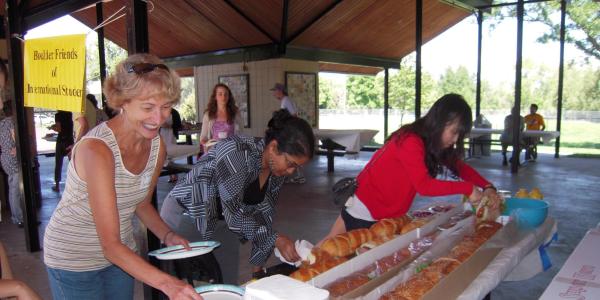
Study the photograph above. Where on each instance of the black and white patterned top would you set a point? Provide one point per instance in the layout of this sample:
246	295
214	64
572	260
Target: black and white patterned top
7	143
225	172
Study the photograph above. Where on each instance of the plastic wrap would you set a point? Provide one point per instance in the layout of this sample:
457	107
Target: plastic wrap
517	245
349	283
438	247
374	260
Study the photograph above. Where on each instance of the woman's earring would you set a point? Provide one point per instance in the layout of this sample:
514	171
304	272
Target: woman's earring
271	165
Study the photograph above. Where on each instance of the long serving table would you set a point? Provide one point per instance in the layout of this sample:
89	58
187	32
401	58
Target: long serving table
352	140
522	260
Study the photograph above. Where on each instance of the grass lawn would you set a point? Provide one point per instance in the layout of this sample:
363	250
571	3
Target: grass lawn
576	137
579	138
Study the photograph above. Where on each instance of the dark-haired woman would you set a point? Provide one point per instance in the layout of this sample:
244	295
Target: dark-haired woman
243	175
409	163
221	117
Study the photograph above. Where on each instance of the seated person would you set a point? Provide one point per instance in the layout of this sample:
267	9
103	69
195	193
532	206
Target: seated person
534	121
506	138
10	287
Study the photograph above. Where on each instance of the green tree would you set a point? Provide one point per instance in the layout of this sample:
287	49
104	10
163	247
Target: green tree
187	104
113	55
582	26
326	93
457	81
364	92
581	88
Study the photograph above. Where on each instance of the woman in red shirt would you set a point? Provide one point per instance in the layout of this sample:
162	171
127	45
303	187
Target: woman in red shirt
409	162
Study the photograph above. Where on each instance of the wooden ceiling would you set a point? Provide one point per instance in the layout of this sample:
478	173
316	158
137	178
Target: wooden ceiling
373	28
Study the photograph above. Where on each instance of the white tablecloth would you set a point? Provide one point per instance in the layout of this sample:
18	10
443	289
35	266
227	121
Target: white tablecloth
512	261
352	139
175	151
479	132
546	136
189	131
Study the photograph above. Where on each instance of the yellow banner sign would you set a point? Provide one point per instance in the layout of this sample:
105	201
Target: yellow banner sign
54	72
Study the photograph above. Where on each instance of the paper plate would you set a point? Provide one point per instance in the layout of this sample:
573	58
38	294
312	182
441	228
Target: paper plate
177	252
220	292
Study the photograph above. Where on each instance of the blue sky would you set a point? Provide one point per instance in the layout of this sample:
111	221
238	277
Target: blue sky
457	46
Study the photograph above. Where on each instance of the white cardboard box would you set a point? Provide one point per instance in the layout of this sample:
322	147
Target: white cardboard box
579	277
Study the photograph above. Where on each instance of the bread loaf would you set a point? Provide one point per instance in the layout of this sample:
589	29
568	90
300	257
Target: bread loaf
338	245
414	224
346	243
327	264
316	255
385	228
346	284
419	284
402	221
358	237
307	272
304	274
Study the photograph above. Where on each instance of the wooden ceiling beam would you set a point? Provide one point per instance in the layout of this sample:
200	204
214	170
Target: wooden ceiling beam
249	20
340	57
270	51
284	23
51	10
487	7
212	22
314	20
251	53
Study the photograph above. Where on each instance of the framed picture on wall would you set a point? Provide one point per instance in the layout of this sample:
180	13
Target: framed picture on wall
302	89
239	85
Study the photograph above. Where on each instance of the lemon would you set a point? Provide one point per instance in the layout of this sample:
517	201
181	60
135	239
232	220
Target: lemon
536	194
522	193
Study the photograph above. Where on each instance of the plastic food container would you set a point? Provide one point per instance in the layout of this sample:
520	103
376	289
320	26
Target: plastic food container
529	213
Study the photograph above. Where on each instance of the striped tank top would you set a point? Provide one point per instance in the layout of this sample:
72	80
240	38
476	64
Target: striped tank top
71	242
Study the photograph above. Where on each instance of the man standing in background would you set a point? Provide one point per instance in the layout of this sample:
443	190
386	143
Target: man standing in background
280	93
63	124
534	121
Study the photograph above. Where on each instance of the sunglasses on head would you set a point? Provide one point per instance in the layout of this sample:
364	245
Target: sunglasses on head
143	68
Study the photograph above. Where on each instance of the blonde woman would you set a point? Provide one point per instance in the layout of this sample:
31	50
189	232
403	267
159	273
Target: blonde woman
89	248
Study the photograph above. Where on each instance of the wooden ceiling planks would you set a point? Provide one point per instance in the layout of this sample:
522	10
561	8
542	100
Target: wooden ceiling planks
229	22
265	13
181	29
114	31
301	13
384	28
380	28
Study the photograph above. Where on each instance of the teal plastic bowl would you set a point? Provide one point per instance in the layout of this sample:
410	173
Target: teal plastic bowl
529	213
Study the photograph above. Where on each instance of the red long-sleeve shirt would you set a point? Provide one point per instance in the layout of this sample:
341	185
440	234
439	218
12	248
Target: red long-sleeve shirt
388	185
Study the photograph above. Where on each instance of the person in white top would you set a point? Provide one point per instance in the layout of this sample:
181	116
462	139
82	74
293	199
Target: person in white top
280	93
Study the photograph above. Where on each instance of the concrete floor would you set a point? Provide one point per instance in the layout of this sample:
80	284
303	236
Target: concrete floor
305	211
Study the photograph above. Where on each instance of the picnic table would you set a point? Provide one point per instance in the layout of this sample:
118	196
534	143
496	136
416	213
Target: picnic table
338	142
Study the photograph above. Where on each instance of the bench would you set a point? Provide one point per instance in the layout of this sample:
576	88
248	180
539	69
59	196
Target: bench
331	149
